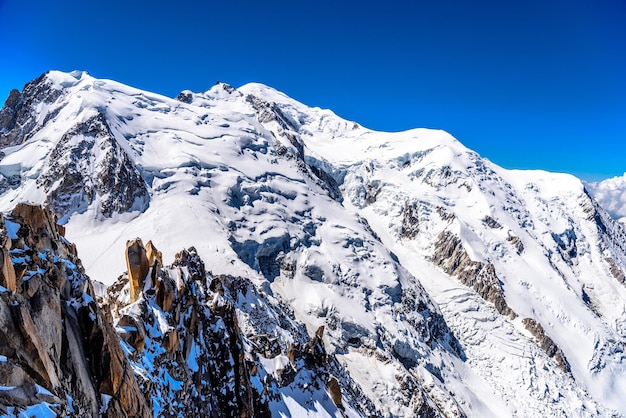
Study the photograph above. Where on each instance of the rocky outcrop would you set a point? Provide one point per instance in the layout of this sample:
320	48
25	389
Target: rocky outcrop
410	221
59	351
200	345
335	391
86	163
491	223
7	272
516	242
184	336
270	112
450	255
566	244
185	97
275	336
137	264
154	256
19	116
615	270
612	232
546	343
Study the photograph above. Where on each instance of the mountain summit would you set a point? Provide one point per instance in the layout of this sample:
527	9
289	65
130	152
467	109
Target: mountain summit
359	273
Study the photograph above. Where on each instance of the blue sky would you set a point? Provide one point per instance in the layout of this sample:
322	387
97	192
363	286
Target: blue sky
527	84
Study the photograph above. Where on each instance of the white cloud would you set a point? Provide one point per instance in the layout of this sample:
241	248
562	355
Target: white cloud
611	194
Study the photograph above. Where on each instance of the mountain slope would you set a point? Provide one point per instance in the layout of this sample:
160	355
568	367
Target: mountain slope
167	343
533	243
443	281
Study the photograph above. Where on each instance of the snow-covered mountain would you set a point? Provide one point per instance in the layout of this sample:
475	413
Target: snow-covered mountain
446	285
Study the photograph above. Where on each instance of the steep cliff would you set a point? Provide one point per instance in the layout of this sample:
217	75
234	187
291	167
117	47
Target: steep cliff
60	354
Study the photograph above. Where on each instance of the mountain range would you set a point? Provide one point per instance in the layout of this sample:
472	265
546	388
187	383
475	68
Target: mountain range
238	253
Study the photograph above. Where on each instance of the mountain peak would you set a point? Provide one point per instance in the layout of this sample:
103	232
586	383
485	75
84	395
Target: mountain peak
263	91
445	285
67	79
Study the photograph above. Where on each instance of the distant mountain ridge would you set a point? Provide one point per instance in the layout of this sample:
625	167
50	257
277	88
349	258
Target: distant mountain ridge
368	273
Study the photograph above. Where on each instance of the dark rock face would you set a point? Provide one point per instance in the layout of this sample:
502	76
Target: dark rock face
185	97
410	221
309	368
546	343
615	270
61	352
424	317
566	245
453	259
491	223
88	162
18	117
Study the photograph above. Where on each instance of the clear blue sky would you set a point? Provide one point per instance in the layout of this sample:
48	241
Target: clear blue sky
527	84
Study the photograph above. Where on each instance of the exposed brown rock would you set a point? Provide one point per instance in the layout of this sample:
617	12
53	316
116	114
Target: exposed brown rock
38	227
111	370
165	294
320	332
546	343
36	217
335	392
315	348
170	340
134	332
153	255
53	333
41	363
291	353
313	352
450	255
7	271
138	265
192	328
615	270
216	286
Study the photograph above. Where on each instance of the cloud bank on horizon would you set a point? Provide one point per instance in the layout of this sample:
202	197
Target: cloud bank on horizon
611	194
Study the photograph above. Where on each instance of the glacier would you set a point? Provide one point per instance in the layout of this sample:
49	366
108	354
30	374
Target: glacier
440	277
